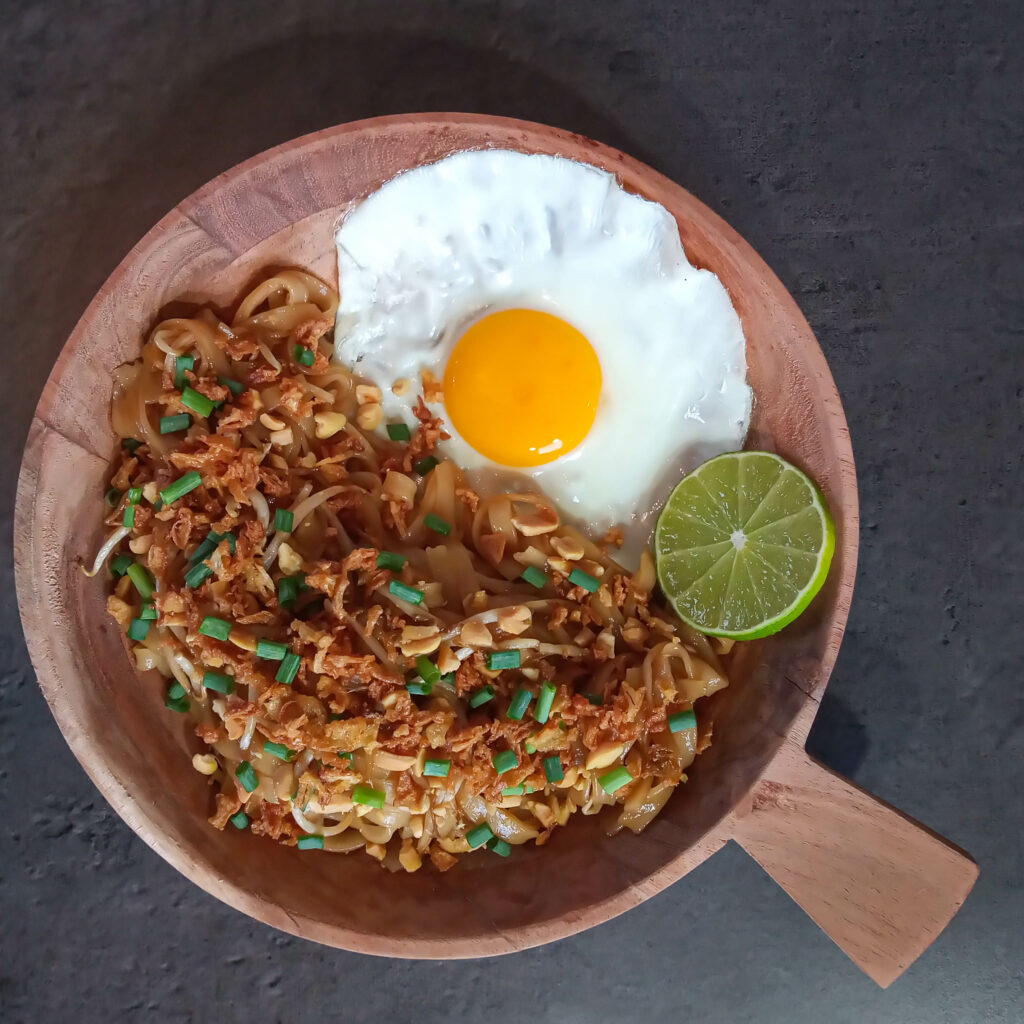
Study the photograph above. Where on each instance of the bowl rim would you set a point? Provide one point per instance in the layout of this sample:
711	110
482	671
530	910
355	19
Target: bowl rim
89	753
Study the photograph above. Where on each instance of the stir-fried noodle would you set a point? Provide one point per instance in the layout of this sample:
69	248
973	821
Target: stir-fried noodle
375	656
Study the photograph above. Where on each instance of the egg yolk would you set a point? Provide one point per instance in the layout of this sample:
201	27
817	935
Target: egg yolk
522	387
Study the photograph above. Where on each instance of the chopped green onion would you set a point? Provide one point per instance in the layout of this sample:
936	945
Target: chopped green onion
425	465
482	696
399	432
192	399
579	578
131	444
246	775
420	688
563	726
284	520
138	629
513	791
288	588
279	750
427	669
346	755
211	543
203	552
236	387
682	720
505	761
406	593
499	846
534	576
218	682
437	524
479	835
310	842
289	668
519	703
158	504
553	768
545	699
497	660
368	796
529	747
615	779
139	575
304	356
240	820
438	768
197	574
134	495
148	610
189	482
595	698
176	699
128	519
271	650
181	364
389	560
172	424
214	627
112	497
120	564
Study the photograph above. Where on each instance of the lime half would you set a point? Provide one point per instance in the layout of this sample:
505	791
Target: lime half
743	544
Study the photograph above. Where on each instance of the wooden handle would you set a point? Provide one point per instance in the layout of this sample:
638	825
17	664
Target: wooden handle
880	885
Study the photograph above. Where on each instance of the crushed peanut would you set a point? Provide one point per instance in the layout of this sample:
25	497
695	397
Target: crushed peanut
532	524
417	640
272	422
515	620
329	423
368	394
446	659
568	547
289	559
409	856
243	639
369	416
475	634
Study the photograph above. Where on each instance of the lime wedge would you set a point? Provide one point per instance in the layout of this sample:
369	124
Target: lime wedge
743	544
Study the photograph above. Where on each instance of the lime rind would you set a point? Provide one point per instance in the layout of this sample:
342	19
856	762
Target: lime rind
742	488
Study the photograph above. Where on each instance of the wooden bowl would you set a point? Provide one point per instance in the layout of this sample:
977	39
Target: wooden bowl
881	886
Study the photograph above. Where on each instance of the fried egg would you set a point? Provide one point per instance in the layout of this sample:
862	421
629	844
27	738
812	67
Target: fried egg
577	346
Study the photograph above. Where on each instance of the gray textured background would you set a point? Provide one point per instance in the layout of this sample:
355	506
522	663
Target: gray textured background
871	151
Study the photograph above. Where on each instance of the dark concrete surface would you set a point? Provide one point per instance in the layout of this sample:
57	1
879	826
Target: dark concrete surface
871	151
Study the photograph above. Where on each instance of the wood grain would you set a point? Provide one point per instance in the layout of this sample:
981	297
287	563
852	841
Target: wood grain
280	208
880	885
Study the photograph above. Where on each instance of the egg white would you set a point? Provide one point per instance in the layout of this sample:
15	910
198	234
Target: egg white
440	246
